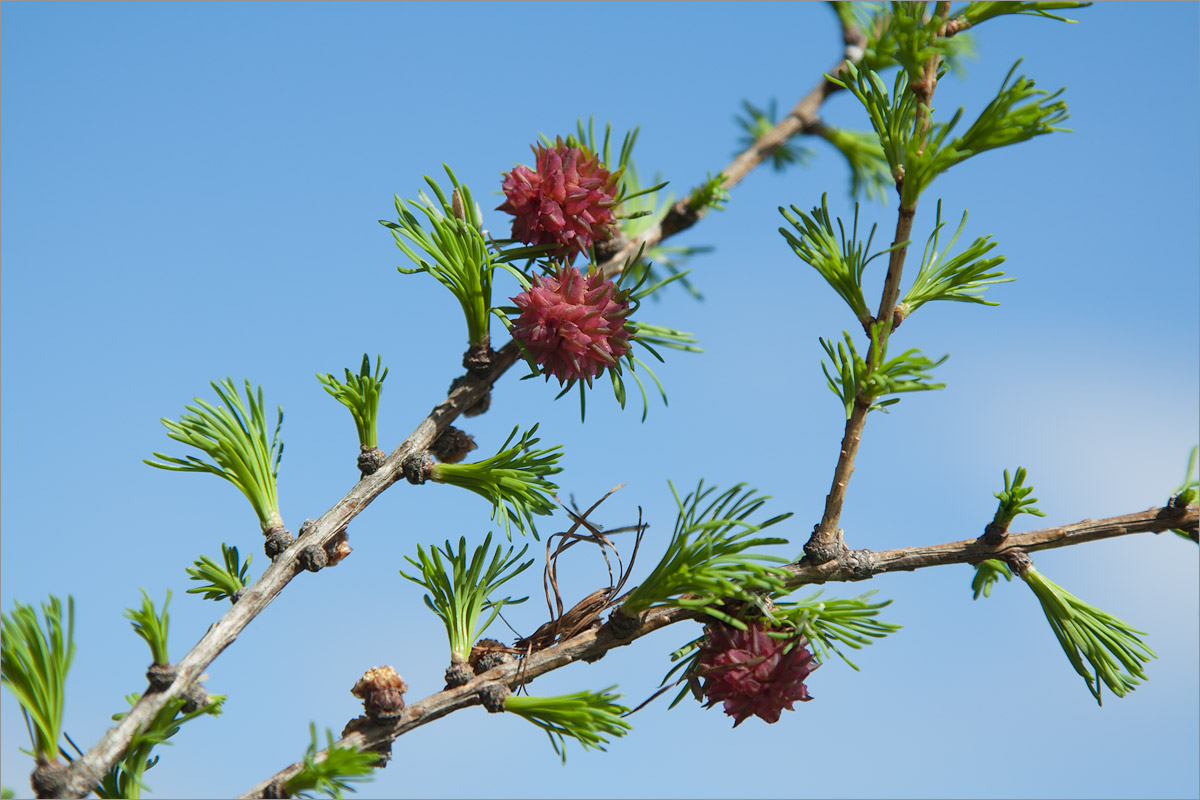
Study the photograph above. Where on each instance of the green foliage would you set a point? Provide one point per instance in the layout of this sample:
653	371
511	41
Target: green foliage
988	574
870	174
458	253
651	337
916	156
220	581
360	393
884	30
710	194
861	382
756	123
1014	500
332	775
151	627
826	623
1018	113
708	559
893	117
7	793
962	278
513	480
914	31
976	12
124	779
34	664
235	440
641	213
1109	645
1185	494
587	717
840	261
459	589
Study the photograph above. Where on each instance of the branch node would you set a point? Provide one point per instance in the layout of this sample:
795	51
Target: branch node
279	539
487	654
1178	504
623	624
478	359
994	534
822	547
452	446
417	468
274	790
161	676
361	724
370	459
492	696
50	779
313	558
1018	561
860	564
458	673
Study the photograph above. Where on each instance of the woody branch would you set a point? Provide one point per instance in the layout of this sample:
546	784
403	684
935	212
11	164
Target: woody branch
857	565
86	771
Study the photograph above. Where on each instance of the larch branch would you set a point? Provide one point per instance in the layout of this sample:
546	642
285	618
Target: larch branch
87	770
853	566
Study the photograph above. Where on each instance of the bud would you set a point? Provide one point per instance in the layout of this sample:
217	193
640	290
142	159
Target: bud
456	205
382	691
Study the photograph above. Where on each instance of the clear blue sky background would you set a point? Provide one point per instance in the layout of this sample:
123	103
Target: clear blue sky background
191	191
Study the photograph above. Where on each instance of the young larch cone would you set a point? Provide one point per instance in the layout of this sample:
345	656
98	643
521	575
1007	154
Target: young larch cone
568	201
753	673
573	324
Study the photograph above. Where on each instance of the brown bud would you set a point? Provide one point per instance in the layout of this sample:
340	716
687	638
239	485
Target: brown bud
488	654
492	696
337	548
452	446
456	205
1018	561
161	676
313	558
478	359
417	468
279	539
622	624
382	691
370	459
458	673
195	696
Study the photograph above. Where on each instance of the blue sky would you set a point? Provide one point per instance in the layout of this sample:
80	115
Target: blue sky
191	191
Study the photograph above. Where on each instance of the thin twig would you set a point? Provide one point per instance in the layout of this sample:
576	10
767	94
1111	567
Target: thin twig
854	566
802	118
826	543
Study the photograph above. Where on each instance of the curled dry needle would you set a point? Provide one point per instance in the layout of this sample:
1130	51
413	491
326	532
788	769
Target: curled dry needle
565	624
